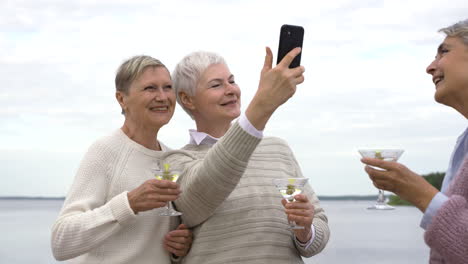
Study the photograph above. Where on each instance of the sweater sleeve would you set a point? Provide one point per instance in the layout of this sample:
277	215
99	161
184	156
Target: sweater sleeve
87	219
448	232
208	182
320	221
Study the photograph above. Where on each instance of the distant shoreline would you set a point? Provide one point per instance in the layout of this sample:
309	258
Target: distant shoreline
322	198
348	198
30	198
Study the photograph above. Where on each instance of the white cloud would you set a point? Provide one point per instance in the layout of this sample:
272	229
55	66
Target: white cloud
365	77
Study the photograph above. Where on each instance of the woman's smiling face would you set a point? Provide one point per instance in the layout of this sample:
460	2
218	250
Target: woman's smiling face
217	96
150	101
449	71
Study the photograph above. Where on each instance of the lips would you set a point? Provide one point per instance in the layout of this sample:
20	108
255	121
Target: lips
159	108
437	79
231	102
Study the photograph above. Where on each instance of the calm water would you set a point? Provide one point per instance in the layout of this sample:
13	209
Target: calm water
358	235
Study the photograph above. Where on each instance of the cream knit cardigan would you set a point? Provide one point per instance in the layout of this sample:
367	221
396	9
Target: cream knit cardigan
96	223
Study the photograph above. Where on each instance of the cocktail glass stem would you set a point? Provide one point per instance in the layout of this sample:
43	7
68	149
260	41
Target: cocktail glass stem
170	211
381	197
169	208
381	203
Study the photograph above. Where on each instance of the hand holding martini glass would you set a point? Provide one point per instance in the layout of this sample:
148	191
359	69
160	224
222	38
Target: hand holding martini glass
167	174
290	187
386	155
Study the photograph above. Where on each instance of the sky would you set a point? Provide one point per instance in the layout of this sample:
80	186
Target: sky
365	81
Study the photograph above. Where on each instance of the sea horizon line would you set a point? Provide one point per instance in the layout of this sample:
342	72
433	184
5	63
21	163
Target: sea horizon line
321	197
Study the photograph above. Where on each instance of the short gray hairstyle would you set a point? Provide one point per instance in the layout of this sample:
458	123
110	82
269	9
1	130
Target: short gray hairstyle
459	30
188	71
131	69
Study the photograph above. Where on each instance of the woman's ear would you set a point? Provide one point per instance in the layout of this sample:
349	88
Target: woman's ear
121	99
186	100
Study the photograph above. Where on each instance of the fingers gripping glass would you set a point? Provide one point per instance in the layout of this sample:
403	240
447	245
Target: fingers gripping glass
290	187
387	155
167	174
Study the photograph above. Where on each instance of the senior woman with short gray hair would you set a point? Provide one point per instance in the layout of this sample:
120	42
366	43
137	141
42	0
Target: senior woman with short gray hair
229	198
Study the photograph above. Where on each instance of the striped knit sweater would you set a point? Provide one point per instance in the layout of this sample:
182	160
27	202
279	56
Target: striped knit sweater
228	197
447	235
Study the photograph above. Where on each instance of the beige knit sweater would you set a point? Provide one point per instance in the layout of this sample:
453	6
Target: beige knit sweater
96	223
228	197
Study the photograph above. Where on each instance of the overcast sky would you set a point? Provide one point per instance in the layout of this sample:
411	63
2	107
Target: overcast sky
365	86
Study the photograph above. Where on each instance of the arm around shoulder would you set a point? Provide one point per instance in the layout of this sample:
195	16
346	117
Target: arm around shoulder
207	182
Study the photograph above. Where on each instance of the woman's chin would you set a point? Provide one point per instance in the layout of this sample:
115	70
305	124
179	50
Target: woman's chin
160	123
234	115
440	96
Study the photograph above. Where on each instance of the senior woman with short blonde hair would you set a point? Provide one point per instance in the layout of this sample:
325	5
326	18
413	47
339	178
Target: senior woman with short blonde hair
111	212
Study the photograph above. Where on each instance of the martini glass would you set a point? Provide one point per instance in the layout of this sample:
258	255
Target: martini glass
290	187
387	155
167	174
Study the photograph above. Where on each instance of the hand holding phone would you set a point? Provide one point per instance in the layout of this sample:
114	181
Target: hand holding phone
290	37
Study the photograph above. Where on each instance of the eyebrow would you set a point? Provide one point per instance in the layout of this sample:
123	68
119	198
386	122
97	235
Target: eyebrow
150	83
442	46
220	79
439	49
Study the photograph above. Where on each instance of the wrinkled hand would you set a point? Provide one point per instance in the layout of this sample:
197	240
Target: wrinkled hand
398	179
302	212
179	241
276	86
153	194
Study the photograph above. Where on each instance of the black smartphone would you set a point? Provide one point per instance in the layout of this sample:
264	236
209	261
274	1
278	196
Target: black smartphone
290	37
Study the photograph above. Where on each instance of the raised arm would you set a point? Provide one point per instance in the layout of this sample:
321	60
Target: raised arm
206	184
276	86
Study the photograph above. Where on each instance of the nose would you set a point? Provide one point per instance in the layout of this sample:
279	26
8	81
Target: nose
432	67
230	88
160	95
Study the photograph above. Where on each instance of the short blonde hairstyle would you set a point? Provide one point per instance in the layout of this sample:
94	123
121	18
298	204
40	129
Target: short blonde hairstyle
131	69
459	30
